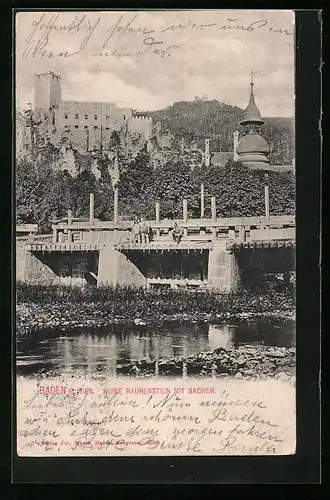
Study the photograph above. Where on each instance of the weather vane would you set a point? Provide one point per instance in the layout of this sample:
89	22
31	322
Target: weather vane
252	73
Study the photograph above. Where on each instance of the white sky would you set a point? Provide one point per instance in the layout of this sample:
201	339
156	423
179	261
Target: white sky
213	60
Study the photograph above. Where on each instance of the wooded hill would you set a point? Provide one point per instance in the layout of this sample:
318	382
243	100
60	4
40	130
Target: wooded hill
199	119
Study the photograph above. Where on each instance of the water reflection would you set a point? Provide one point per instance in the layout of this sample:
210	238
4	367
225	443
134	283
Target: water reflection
94	351
221	336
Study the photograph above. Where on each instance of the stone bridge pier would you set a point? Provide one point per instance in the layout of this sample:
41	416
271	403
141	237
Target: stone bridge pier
223	270
116	269
33	268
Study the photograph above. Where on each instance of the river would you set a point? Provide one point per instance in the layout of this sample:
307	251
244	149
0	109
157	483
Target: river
95	351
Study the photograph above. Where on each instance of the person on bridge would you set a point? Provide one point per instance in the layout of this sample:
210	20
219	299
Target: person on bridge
144	231
136	230
177	233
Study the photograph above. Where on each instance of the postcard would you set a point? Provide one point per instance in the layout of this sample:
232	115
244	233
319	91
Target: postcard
155	233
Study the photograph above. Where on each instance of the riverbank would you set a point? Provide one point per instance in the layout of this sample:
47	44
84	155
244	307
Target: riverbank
244	362
62	308
240	362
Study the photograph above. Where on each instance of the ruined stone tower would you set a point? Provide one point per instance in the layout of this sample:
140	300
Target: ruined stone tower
47	91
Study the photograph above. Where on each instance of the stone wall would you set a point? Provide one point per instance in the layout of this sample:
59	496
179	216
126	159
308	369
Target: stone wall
140	124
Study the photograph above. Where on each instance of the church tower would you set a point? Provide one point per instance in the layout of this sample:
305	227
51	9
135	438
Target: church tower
252	149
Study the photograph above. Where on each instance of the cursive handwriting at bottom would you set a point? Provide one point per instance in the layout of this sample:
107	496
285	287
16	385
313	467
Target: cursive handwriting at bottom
230	421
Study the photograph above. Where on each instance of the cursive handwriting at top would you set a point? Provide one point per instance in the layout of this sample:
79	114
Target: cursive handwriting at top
141	40
38	40
188	25
234	24
119	30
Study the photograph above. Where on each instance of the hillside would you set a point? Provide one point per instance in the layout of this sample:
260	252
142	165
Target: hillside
199	119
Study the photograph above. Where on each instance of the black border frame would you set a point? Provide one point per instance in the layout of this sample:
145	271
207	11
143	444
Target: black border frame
304	467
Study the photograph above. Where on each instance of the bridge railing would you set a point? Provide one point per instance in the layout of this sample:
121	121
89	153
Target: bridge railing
34	237
230	228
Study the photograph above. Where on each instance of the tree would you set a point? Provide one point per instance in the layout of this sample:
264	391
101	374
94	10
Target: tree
134	184
27	185
171	185
114	141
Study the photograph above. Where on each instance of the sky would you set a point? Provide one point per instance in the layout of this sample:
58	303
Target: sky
147	60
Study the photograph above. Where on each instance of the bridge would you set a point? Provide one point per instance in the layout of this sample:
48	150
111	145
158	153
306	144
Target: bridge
214	253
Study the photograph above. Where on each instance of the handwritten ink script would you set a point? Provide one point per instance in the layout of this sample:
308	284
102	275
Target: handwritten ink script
129	417
63	35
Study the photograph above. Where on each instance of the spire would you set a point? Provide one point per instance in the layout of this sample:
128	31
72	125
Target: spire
252	113
252	149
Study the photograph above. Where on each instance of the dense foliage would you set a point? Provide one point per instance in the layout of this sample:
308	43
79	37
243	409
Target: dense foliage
43	194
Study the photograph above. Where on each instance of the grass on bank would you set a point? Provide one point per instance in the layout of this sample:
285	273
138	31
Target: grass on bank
151	302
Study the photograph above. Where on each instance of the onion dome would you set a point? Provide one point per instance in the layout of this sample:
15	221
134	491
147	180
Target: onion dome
253	143
252	113
252	149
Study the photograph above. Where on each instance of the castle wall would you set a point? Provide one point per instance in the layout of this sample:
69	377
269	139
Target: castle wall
141	125
86	138
87	125
92	114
